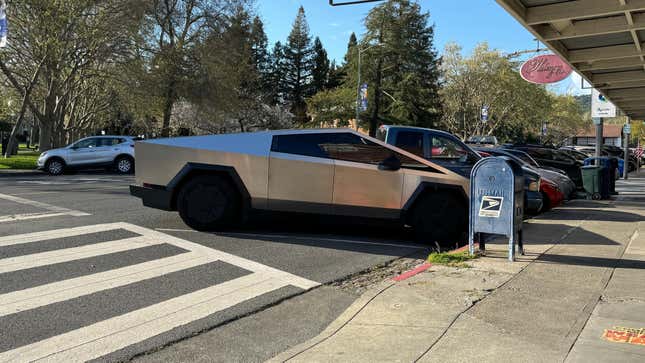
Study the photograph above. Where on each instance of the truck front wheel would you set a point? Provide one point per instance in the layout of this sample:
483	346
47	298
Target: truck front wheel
208	203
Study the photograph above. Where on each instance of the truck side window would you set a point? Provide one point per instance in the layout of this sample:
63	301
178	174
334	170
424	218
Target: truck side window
410	141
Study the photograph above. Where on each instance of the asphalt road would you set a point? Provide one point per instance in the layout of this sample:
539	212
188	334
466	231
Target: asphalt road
88	273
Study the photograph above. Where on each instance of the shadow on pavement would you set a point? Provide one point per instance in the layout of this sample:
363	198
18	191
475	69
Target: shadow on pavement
574	214
591	261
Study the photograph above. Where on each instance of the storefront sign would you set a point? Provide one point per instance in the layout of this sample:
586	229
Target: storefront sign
545	69
600	106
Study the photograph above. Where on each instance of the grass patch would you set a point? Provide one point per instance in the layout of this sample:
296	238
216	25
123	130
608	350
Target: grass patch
457	259
25	160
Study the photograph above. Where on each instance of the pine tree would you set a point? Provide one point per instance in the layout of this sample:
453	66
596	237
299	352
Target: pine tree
336	75
276	74
260	53
298	57
320	72
351	45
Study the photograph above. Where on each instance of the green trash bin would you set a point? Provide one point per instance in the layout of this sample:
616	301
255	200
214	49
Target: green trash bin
591	175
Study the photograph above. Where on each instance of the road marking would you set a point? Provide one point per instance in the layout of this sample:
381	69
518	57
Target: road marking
71	254
107	336
57	233
35	297
116	333
54	210
284	236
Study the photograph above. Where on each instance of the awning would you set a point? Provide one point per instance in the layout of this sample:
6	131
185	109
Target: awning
604	40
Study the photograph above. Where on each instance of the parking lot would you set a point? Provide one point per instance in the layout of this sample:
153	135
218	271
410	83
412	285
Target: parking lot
87	272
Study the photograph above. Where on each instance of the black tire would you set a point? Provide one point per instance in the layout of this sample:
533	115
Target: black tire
440	217
55	166
208	203
595	196
124	165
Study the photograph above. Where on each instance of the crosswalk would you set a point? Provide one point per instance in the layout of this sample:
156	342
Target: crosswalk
104	336
48	210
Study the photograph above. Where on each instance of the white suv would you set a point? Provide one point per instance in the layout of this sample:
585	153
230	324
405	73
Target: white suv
91	152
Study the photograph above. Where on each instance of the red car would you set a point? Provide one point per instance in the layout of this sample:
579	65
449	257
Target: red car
551	194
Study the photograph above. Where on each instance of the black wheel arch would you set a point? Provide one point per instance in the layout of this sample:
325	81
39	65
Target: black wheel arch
192	169
425	188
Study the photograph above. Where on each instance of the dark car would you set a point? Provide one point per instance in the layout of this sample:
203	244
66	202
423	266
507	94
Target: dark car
437	146
547	157
449	151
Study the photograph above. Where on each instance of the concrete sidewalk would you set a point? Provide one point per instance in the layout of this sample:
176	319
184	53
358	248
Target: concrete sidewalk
573	297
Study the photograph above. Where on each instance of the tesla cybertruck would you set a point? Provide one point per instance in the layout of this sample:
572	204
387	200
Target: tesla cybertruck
215	181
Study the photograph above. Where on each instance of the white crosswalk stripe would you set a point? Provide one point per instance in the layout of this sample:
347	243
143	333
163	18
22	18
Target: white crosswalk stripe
51	210
115	333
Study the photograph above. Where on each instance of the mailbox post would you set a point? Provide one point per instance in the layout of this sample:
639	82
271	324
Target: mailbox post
497	202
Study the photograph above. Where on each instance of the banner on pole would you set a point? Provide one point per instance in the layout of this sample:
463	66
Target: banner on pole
3	24
363	93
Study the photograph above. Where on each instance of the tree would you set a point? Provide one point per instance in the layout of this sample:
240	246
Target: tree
172	32
276	74
321	67
260	54
298	67
77	44
399	64
516	108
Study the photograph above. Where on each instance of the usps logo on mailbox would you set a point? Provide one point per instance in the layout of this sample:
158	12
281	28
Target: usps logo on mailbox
491	206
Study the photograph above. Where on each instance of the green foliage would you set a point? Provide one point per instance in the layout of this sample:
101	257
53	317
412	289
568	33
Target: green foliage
298	67
399	64
332	107
517	109
450	259
321	67
25	160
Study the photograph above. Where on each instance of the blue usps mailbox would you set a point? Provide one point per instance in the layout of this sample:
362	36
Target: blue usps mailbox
497	202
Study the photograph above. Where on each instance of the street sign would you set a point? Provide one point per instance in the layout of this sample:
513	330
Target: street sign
544	129
627	129
600	106
484	114
363	93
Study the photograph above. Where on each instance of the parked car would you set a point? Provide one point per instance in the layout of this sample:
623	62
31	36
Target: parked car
214	181
553	187
91	153
547	157
437	146
449	151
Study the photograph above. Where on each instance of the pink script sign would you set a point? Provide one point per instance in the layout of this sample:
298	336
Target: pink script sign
545	69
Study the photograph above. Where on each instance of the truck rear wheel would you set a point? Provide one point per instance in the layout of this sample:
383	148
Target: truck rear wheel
208	203
440	217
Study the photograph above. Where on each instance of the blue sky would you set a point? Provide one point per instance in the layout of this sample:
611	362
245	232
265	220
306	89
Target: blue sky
483	20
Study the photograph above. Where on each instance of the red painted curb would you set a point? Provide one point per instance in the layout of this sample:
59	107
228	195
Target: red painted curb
406	275
414	271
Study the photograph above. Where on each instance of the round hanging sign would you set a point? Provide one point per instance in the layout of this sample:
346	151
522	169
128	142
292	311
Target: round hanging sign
545	69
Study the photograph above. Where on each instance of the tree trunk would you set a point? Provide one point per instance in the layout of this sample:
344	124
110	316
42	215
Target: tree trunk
45	136
167	110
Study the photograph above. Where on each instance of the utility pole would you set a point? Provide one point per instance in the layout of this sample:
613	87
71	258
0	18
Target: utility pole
358	83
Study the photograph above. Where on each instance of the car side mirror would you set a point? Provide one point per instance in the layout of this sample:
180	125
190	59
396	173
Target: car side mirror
391	163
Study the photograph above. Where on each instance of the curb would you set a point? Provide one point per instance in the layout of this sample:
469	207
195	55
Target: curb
336	325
